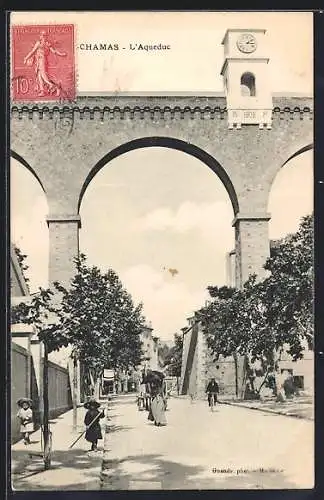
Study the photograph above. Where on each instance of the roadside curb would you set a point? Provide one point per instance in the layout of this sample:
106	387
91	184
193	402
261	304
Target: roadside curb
105	473
266	410
251	407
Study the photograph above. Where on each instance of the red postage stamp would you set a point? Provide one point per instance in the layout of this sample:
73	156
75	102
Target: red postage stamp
43	63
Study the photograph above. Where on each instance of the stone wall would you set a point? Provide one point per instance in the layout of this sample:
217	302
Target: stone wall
25	376
66	145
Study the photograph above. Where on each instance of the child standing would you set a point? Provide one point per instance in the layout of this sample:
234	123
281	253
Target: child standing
25	415
93	432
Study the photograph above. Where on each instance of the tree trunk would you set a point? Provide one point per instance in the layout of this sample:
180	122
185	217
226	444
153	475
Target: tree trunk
45	404
97	388
263	381
236	375
244	381
92	382
75	393
279	393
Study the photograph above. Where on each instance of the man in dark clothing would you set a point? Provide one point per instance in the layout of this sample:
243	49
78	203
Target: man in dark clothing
212	391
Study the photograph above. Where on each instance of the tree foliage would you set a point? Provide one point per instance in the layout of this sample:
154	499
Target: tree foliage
289	289
43	312
95	315
22	262
101	320
267	316
163	351
173	358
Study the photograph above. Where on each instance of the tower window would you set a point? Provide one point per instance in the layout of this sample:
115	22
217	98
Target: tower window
248	85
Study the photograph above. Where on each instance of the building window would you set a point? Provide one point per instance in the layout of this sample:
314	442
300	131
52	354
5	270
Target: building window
248	85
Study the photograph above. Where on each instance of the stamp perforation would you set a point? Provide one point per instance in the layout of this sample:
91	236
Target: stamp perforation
43	62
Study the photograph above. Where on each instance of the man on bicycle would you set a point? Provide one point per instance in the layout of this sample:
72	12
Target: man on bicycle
212	391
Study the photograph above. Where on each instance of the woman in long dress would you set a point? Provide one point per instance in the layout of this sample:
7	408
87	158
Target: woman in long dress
158	405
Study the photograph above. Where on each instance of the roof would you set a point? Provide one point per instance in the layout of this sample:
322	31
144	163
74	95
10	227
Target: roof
243	30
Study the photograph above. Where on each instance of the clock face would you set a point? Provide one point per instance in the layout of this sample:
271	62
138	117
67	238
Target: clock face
246	43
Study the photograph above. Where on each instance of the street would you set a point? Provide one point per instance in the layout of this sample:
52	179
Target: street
229	448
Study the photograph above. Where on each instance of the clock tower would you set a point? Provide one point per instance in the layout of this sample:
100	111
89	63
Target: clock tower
246	79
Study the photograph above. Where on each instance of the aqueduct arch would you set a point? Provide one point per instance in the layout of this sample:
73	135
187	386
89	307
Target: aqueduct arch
245	140
171	143
67	145
24	163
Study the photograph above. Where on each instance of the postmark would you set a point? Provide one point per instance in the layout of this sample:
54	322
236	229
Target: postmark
43	63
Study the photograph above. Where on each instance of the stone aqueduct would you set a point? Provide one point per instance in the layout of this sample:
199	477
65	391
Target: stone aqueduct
64	146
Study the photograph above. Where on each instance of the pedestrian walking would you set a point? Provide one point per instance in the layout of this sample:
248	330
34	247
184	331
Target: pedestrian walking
92	422
25	415
158	405
141	397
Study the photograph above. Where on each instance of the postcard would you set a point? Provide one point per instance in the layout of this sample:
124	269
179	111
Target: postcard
161	265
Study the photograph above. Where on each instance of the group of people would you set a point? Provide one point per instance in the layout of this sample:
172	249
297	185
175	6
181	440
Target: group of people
91	420
153	397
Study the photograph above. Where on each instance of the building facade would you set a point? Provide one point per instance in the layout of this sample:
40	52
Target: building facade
199	365
150	344
27	362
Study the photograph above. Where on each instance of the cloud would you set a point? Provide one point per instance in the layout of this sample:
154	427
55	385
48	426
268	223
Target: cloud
167	301
291	196
210	219
30	233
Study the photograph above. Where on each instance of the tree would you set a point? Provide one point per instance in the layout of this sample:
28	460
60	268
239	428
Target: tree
43	313
269	316
289	289
96	316
163	351
101	320
22	262
173	359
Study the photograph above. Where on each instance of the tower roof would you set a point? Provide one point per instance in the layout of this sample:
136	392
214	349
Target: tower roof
242	30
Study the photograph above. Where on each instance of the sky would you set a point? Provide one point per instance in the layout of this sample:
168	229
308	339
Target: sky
153	209
182	222
195	58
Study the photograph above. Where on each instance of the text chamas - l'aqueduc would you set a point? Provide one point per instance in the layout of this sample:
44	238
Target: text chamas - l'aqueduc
116	46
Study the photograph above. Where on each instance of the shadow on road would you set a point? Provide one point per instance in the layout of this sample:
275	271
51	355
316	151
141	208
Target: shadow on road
151	470
121	401
117	428
62	462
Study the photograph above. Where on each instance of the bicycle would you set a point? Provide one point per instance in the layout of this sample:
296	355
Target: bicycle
193	397
212	399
